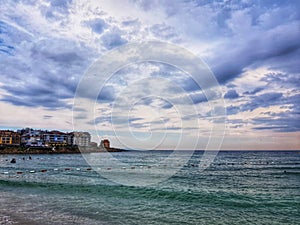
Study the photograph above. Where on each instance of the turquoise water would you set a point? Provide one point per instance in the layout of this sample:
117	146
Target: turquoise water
238	188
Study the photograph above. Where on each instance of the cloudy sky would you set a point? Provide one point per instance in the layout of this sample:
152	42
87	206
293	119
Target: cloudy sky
252	48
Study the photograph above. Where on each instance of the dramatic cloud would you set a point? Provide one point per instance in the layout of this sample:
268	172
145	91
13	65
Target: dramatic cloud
113	39
283	122
52	69
97	25
252	47
231	94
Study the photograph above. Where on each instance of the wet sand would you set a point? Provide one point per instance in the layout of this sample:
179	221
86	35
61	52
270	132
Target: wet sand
18	210
5	219
13	218
10	213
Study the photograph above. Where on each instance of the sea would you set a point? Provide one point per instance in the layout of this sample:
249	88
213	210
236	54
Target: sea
142	187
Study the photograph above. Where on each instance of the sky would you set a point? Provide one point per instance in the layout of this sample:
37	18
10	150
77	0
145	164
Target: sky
251	48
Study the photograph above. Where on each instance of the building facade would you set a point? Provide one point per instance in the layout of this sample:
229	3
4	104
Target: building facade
43	138
8	137
55	138
81	139
31	137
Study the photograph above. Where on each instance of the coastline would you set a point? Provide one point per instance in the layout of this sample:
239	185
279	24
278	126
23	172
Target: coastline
57	150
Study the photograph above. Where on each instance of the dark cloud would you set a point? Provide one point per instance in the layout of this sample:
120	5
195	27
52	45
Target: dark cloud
167	105
47	75
163	31
287	121
283	122
65	57
198	98
47	117
9	38
42	93
146	101
276	128
227	70
100	119
52	88
36	101
161	120
256	90
78	109
189	85
107	94
293	106
138	125
47	91
112	40
29	2
288	64
152	100
134	119
264	100
231	85
131	22
174	128
44	72
97	25
268	48
145	5
60	3
63	52
17	101
6	51
235	121
294	99
231	94
57	9
232	110
282	80
4	48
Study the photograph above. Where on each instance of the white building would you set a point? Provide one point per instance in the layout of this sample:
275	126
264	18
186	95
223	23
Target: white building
82	139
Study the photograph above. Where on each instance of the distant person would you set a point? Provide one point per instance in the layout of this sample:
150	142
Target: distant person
13	160
30	158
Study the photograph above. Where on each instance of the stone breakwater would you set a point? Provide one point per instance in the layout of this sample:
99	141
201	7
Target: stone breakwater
56	150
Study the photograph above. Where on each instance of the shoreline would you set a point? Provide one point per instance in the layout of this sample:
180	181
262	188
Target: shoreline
14	218
29	215
20	150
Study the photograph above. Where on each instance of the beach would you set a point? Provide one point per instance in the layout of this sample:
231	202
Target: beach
19	211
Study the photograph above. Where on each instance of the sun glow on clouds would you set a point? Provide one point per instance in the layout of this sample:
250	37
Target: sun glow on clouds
253	49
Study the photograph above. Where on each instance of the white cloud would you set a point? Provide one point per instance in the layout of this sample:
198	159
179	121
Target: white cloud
47	46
